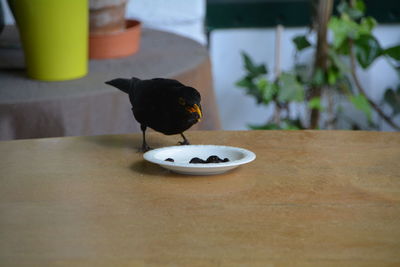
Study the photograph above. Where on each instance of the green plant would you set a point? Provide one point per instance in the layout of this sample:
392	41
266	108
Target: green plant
332	81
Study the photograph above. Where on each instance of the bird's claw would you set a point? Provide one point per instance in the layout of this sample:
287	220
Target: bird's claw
144	148
184	143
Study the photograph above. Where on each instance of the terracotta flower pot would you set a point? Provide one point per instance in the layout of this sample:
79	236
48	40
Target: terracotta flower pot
117	44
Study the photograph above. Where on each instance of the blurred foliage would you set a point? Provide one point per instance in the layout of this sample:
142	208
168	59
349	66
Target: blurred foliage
352	36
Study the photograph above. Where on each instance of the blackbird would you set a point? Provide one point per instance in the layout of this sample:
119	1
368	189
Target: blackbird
165	105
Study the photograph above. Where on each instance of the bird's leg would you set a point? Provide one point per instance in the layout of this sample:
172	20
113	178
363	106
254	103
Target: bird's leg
145	146
185	141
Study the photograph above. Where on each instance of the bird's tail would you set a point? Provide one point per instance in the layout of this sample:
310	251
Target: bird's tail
125	85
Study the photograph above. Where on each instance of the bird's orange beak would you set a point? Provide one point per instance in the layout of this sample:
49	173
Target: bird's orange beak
196	109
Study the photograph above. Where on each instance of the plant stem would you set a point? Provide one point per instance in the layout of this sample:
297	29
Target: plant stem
363	92
276	117
278	40
330	122
324	10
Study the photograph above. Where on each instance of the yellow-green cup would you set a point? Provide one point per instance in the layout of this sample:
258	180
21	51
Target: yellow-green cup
54	35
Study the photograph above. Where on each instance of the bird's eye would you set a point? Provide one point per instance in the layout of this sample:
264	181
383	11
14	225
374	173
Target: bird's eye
182	101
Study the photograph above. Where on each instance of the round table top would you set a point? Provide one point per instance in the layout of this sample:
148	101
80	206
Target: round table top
87	106
161	54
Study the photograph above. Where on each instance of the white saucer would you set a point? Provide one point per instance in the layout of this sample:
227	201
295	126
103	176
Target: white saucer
183	154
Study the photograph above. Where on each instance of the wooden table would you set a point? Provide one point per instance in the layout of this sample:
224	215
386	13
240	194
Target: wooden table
311	198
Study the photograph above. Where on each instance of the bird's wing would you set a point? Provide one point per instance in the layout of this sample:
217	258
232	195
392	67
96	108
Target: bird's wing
161	82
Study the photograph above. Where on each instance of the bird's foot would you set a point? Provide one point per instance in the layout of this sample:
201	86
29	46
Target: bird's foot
184	142
144	148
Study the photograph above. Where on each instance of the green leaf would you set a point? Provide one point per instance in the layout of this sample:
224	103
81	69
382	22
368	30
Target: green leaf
290	127
333	75
361	103
393	52
318	77
315	103
290	124
302	72
268	126
301	42
393	99
261	69
248	63
342	7
289	88
262	84
253	70
367	50
251	88
286	124
355	12
343	49
338	62
360	5
267	89
246	82
342	29
367	25
339	34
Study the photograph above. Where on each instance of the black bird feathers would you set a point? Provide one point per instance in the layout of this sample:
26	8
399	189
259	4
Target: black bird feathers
164	105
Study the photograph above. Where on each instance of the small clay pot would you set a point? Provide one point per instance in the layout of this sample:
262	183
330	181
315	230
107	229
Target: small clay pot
118	44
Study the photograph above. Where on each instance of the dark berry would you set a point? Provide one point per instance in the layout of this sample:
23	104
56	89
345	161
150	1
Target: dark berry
169	159
210	159
197	160
214	159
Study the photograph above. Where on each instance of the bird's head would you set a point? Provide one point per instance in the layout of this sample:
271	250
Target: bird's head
190	101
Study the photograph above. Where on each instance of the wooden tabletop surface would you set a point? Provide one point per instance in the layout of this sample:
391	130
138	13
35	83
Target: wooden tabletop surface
311	198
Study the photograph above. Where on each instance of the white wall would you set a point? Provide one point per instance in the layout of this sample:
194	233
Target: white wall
179	16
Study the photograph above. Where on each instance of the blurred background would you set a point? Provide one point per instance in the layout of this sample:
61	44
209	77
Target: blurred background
234	31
